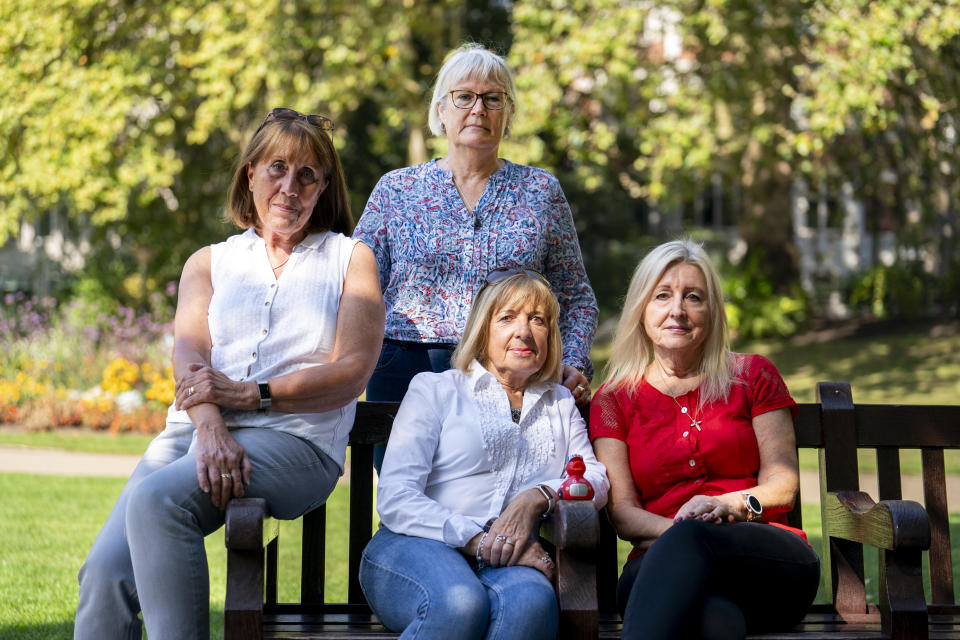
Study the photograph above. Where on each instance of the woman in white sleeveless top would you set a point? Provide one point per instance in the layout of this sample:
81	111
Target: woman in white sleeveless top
276	332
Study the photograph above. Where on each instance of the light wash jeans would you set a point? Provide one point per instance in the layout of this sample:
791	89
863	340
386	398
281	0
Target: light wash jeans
429	590
150	553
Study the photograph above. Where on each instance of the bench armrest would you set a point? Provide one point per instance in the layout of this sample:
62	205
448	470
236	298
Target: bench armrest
901	530
249	531
573	529
889	524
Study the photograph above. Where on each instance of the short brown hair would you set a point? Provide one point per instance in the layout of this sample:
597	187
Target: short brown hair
332	211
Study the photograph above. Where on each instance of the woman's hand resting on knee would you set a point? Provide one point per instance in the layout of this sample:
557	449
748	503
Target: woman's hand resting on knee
717	509
509	535
536	557
222	464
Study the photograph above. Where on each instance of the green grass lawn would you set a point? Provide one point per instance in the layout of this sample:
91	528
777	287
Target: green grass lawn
84	440
50	523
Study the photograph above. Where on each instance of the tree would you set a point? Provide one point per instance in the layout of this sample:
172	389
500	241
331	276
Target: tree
643	101
127	115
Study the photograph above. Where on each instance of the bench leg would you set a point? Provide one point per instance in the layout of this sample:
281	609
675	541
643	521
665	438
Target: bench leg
903	607
243	606
577	597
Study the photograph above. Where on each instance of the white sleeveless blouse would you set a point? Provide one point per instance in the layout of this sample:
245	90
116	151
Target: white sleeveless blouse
262	327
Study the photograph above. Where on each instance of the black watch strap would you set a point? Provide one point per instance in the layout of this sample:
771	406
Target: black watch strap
265	400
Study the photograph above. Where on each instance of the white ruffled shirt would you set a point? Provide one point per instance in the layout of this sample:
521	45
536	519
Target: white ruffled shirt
455	457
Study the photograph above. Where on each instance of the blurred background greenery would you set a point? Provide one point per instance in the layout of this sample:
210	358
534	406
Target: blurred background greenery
811	146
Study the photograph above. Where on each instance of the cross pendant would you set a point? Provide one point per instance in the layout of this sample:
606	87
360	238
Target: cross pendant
696	423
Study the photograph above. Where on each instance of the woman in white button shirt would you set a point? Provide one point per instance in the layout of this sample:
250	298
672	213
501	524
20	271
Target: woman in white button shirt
475	458
276	332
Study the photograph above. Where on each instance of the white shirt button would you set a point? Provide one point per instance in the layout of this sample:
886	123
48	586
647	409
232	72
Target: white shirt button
683	409
264	332
686	433
693	462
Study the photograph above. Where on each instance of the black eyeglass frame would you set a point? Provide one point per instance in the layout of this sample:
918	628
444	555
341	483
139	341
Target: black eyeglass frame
480	96
285	113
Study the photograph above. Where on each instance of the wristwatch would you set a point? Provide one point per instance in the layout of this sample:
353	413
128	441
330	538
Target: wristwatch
265	400
754	508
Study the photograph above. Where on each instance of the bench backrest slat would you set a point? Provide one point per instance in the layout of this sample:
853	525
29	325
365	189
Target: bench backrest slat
935	502
361	515
888	474
838	471
314	556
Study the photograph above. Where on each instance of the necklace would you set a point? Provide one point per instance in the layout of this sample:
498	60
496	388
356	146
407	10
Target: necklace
515	414
282	263
694	422
476	217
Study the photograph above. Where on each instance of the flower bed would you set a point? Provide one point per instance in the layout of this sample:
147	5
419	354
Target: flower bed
83	363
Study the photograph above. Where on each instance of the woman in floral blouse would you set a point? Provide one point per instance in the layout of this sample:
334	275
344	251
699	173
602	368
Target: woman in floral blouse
438	228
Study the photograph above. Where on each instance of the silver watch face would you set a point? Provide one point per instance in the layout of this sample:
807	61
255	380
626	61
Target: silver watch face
753	504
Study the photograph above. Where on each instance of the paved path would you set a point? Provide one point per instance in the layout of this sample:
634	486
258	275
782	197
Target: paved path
38	460
23	459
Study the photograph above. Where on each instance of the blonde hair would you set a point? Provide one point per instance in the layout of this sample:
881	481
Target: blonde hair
520	288
471	61
632	348
332	211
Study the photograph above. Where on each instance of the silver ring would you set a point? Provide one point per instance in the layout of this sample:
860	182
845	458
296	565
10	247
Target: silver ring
545	559
500	538
225	476
509	541
190	391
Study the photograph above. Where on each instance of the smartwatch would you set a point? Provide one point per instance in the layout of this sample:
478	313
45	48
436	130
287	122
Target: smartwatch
754	508
265	399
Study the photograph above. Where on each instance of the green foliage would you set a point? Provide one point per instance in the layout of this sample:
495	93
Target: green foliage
755	307
905	290
125	117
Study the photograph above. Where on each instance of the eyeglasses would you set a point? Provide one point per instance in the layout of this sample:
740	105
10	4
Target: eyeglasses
502	273
464	99
283	113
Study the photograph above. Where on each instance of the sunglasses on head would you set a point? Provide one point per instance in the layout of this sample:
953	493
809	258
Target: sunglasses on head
502	273
283	113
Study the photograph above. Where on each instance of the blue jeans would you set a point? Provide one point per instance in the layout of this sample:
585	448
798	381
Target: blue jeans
399	362
150	553
429	590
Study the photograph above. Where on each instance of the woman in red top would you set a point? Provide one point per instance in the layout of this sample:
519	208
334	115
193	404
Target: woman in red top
699	448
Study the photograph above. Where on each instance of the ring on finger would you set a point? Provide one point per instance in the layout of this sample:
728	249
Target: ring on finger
545	559
190	391
508	541
580	388
500	538
225	476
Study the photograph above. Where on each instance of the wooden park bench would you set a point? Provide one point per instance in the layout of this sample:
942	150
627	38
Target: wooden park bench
251	610
586	544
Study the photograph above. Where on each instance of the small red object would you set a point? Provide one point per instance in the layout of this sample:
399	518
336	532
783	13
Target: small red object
575	487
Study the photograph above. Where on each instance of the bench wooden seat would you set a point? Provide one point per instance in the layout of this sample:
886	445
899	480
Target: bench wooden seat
586	544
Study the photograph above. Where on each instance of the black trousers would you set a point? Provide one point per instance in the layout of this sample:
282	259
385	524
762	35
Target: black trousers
717	581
